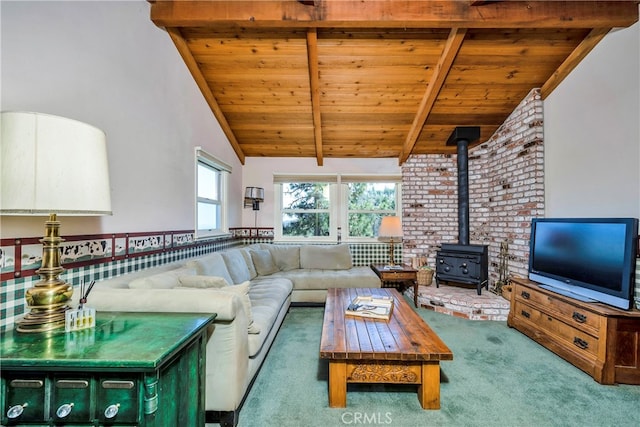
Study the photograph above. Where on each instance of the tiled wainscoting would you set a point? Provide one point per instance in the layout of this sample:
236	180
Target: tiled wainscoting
106	256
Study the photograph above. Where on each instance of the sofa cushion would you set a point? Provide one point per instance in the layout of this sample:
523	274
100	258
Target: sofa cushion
211	265
247	259
315	279
242	290
263	261
165	280
268	295
203	282
327	257
286	257
236	265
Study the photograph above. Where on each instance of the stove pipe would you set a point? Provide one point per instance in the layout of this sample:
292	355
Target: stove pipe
462	136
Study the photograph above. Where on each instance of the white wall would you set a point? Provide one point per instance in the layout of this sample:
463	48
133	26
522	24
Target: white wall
106	63
592	133
259	171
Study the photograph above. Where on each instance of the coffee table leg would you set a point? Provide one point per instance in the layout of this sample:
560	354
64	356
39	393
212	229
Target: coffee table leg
337	384
429	390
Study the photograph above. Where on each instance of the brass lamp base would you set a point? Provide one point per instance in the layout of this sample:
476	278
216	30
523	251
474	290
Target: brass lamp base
48	298
392	261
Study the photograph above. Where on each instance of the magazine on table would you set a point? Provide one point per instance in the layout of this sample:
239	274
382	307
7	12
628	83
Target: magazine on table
375	307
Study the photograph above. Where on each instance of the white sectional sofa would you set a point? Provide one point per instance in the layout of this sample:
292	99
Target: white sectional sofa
250	289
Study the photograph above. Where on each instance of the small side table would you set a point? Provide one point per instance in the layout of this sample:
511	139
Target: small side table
399	276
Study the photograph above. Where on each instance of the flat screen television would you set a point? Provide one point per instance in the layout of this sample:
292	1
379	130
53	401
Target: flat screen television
589	259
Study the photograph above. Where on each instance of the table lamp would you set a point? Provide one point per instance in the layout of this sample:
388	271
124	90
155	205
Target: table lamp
51	166
390	228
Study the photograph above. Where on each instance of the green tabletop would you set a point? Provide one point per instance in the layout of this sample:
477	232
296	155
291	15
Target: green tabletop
136	341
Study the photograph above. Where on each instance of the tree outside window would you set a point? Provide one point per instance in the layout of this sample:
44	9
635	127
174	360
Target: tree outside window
306	209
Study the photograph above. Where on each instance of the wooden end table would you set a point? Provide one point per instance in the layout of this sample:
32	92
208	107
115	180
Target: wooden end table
400	276
401	350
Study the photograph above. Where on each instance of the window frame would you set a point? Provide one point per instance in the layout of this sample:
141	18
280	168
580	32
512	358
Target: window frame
222	170
383	212
338	204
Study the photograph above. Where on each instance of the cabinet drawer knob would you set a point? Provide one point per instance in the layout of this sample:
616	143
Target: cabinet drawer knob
579	317
580	343
525	294
525	314
111	411
64	410
16	410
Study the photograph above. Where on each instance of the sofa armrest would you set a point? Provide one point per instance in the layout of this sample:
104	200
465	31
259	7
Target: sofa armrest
227	363
183	300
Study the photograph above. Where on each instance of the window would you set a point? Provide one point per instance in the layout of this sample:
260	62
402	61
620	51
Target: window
305	209
329	208
211	192
367	203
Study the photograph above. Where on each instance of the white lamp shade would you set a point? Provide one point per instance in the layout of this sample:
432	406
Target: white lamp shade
52	164
390	226
254	193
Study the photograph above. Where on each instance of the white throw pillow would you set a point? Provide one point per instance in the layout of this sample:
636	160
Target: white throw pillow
203	282
166	280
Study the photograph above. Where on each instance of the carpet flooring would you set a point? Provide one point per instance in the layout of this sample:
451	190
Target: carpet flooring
498	377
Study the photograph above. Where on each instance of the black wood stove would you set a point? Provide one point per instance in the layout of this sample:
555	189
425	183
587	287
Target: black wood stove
462	262
468	264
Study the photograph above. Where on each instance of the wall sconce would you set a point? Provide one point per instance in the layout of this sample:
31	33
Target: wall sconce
390	228
252	198
52	166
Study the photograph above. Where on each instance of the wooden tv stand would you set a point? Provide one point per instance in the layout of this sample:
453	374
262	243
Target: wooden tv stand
602	341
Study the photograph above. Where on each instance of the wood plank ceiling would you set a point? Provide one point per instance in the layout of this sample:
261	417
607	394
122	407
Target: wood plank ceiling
376	78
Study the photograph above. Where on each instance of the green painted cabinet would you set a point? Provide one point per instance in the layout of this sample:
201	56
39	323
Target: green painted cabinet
132	369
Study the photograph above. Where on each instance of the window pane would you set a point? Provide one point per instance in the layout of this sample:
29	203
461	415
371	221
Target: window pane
305	224
208	182
364	224
208	216
305	195
372	196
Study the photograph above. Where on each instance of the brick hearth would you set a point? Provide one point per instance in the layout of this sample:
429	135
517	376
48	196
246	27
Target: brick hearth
462	302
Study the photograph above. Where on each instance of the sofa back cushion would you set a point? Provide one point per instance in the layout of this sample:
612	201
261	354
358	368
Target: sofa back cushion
326	257
166	280
264	262
247	259
211	265
236	265
286	257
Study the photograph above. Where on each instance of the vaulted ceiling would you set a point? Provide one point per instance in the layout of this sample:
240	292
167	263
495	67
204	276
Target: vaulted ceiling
376	78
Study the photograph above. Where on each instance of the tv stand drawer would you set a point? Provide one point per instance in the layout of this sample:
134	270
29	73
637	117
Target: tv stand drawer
602	341
571	338
554	305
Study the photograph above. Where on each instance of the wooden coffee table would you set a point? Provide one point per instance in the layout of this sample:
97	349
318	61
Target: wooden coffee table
402	350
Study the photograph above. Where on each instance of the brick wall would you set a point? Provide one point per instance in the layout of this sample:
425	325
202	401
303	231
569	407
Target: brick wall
506	190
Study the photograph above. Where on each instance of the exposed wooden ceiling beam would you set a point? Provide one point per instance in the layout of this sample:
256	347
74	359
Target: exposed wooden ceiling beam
451	48
573	60
396	13
314	83
192	65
